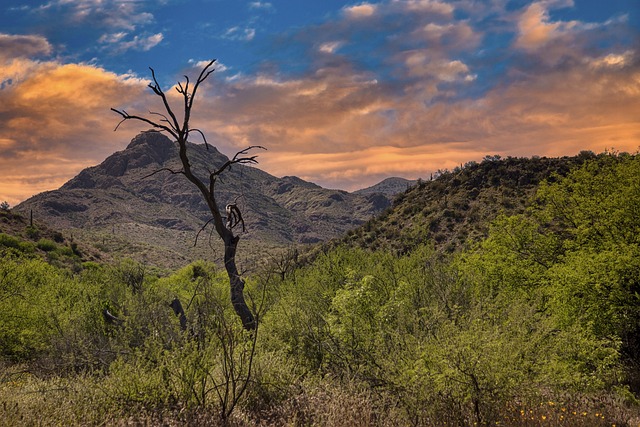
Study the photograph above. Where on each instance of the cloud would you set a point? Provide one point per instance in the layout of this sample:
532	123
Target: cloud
420	64
417	7
612	60
197	66
553	115
23	46
430	6
330	47
112	38
118	44
343	125
340	116
260	5
534	28
116	14
362	168
56	121
449	35
362	10
239	33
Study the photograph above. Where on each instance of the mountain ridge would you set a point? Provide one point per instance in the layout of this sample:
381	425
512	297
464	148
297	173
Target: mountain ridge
389	186
137	203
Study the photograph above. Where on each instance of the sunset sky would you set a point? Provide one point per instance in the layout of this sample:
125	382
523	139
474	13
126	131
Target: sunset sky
341	93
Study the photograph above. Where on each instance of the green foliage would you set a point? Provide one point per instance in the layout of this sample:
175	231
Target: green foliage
435	334
596	206
31	306
46	245
33	232
578	242
15	244
9	241
540	319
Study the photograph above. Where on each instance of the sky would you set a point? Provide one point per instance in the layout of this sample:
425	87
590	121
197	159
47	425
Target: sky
341	93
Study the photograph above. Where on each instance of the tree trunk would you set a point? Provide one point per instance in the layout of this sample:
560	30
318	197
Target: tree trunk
236	282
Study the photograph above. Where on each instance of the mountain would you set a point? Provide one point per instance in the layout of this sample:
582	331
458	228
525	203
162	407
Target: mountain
455	208
133	205
389	187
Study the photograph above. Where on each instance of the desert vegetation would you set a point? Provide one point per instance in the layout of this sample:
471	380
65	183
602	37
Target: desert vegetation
536	322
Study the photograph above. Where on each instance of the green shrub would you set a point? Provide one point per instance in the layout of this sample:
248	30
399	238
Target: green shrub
46	245
16	245
66	251
33	232
9	241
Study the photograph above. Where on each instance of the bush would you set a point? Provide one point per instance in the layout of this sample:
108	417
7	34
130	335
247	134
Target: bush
46	245
9	241
33	232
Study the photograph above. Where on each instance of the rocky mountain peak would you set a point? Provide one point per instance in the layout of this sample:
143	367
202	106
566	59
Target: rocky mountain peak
154	144
132	197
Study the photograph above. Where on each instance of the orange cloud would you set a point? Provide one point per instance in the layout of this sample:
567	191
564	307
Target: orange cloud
342	128
362	10
56	121
534	27
339	124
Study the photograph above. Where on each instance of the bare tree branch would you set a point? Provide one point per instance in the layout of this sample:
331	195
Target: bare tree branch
204	138
158	91
242	160
126	116
171	171
223	228
164	119
201	230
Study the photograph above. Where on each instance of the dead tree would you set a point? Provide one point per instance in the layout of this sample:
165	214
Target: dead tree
168	122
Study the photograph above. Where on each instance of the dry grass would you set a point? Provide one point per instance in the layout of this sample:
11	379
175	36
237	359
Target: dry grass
26	400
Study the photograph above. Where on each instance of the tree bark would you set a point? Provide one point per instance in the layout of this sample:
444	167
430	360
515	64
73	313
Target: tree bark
236	282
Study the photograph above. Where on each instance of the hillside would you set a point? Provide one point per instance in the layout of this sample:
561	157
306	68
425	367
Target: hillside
389	186
455	208
123	208
18	234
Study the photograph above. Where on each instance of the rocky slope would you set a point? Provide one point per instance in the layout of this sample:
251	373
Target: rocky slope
132	205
